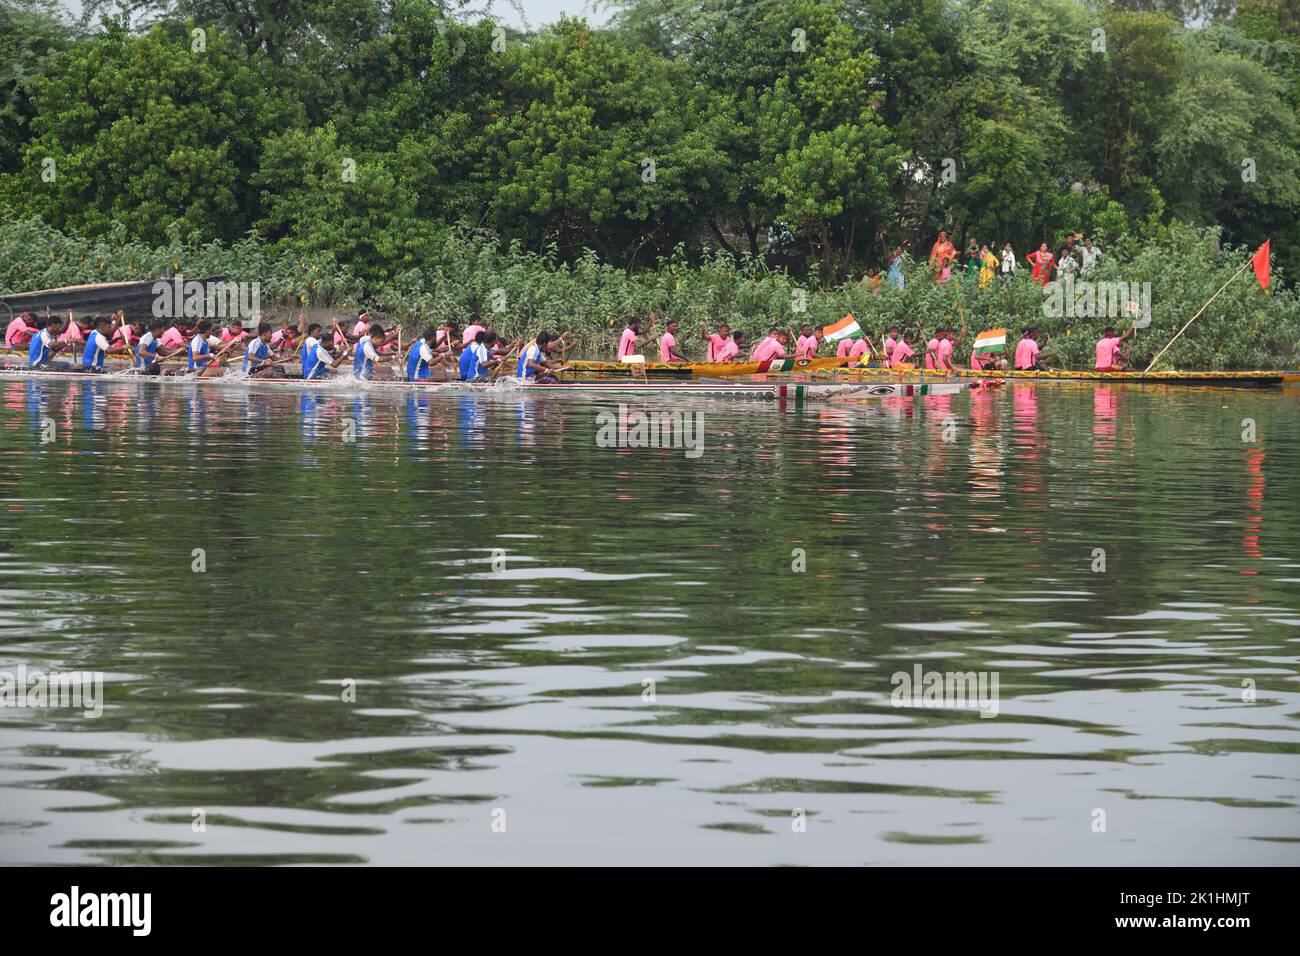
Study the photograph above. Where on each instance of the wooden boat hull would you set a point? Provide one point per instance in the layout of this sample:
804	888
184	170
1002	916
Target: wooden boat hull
756	391
704	369
1206	379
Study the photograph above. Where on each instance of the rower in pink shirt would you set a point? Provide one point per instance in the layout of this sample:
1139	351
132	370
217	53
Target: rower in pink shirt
1027	351
891	340
233	332
362	325
943	358
730	348
631	341
471	330
668	345
172	338
445	335
18	332
901	353
716	342
861	349
843	349
73	332
805	346
772	347
931	351
1109	356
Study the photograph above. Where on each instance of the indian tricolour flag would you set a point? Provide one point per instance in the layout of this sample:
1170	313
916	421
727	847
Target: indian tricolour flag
993	340
845	328
776	365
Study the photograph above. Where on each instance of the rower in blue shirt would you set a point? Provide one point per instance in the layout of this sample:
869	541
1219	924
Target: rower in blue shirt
148	353
257	357
98	346
420	360
366	355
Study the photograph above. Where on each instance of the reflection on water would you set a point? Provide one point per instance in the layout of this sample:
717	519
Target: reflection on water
641	657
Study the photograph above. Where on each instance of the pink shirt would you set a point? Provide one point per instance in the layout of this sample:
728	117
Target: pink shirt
229	336
902	352
975	361
767	350
805	346
666	343
945	354
727	351
931	349
890	342
72	333
860	347
361	328
1026	353
627	343
470	332
16	333
843	350
716	345
172	338
1108	352
276	337
123	332
339	340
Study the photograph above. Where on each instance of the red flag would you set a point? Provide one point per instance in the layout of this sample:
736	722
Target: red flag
1260	262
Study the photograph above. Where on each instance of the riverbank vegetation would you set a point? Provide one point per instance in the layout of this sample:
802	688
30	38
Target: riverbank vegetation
710	160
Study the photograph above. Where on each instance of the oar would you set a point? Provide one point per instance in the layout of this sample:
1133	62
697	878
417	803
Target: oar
504	362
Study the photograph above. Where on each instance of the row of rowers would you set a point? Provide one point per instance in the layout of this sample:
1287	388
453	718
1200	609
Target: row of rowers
896	351
441	354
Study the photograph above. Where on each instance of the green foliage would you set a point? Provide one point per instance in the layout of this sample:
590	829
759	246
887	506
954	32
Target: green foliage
700	157
469	274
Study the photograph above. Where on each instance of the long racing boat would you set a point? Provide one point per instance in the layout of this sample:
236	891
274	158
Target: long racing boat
781	391
1276	379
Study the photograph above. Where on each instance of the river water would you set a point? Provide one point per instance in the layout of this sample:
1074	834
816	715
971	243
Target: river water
435	630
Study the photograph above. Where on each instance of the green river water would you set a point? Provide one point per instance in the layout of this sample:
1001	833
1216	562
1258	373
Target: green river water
348	629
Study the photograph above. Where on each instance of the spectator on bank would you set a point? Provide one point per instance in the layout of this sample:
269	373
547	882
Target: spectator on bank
942	249
896	277
1007	264
1089	258
1043	263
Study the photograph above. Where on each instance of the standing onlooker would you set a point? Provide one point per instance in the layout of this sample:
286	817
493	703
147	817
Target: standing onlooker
896	277
942	249
1043	262
1090	257
972	260
988	266
1068	265
1008	263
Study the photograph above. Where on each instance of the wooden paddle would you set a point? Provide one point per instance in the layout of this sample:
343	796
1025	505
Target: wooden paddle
505	361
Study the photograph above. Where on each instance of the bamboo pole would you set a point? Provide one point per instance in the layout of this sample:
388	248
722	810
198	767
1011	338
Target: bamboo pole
1243	268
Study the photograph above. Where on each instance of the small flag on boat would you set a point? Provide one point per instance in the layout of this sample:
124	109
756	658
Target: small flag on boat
1260	262
845	328
991	340
776	365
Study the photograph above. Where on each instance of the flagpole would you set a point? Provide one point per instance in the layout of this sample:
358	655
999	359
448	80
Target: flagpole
1245	265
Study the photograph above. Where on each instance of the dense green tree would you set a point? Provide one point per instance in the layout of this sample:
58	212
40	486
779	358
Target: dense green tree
146	130
32	32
